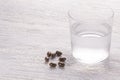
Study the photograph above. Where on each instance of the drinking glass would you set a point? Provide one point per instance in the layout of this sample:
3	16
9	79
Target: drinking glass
90	28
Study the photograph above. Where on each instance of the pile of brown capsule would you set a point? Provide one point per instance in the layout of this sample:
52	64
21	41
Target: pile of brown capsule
61	60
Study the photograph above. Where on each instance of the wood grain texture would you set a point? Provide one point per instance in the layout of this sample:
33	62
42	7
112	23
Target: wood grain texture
30	28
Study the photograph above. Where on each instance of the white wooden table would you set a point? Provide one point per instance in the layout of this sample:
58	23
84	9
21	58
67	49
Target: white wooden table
30	28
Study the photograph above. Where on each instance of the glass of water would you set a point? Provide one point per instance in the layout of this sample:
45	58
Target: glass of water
90	28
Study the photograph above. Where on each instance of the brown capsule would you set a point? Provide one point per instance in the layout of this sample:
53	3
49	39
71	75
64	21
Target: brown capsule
52	65
48	54
46	59
53	56
61	64
58	53
63	59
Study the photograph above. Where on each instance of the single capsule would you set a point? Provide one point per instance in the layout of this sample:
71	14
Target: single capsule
61	64
53	56
63	59
46	59
53	65
58	53
48	54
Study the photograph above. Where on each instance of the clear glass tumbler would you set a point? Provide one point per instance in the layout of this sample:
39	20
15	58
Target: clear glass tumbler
91	28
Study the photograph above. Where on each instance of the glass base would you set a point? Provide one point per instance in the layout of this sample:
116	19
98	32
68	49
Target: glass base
100	66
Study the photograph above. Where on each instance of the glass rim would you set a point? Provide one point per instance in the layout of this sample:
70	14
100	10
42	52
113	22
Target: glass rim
97	6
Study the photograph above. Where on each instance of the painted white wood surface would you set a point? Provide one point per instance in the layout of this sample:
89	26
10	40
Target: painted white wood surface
30	28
